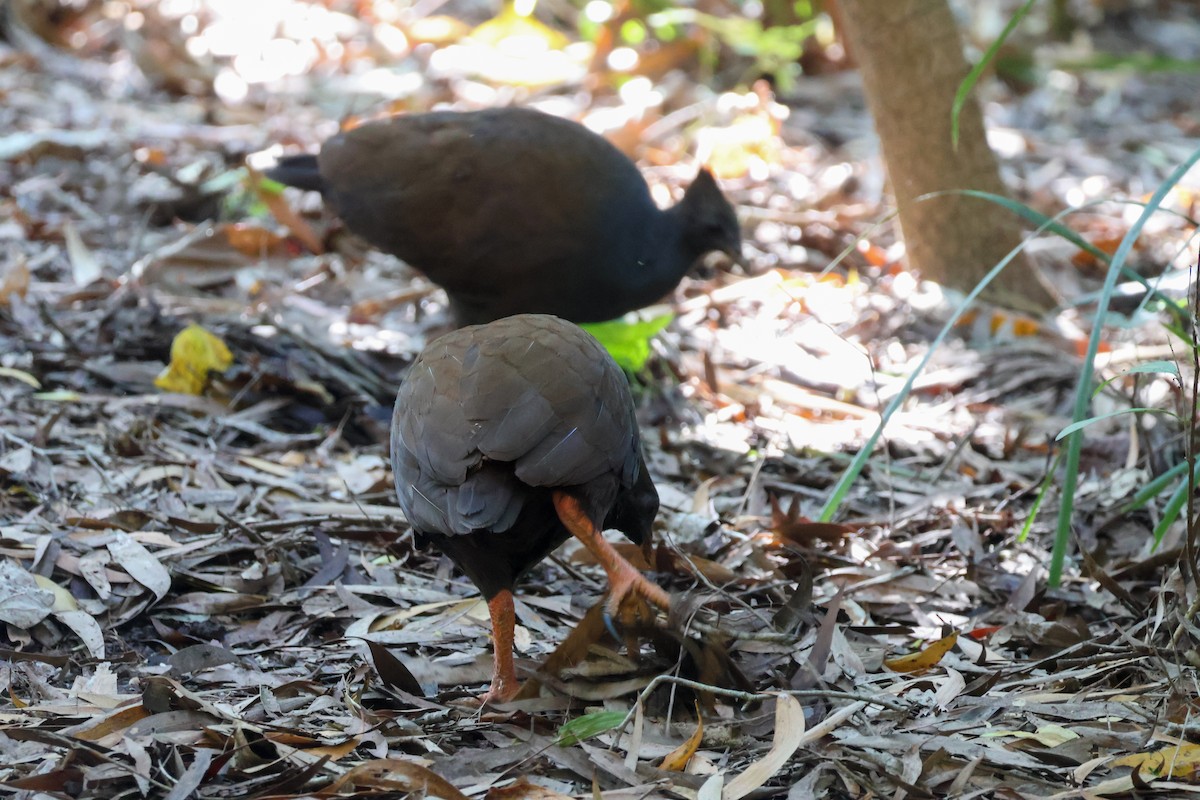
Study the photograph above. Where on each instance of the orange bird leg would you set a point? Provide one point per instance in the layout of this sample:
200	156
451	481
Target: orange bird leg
623	577
504	675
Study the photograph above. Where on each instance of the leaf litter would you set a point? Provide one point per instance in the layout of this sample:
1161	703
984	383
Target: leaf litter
213	595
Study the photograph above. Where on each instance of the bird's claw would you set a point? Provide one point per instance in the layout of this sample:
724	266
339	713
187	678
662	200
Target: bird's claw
609	626
626	613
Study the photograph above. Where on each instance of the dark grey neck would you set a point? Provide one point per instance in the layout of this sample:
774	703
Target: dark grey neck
665	260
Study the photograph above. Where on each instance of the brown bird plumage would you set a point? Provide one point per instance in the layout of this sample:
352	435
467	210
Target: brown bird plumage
515	211
507	439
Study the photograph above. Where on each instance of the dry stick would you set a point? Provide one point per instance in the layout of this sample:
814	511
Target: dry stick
955	455
19	442
775	637
750	486
733	599
251	534
1189	547
859	700
297	522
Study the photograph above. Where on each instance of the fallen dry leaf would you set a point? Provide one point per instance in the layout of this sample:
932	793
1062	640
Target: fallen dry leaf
394	775
789	734
925	658
194	354
677	760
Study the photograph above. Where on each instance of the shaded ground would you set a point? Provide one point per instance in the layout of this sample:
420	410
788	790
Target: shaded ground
238	609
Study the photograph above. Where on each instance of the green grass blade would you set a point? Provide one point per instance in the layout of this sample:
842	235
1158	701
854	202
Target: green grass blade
1083	391
968	83
1083	423
851	473
1171	511
1155	487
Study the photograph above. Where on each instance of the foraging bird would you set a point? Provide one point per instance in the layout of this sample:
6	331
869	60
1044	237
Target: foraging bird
507	439
515	211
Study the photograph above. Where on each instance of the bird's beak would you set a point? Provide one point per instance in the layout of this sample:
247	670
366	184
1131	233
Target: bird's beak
737	257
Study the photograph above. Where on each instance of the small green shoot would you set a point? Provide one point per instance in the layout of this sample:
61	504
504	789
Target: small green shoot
628	342
968	83
1084	388
587	726
1158	367
1083	423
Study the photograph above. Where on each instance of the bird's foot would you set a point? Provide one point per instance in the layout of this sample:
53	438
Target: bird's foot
505	684
503	690
629	593
629	589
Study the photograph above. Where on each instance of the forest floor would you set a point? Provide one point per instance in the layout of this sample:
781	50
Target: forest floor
213	595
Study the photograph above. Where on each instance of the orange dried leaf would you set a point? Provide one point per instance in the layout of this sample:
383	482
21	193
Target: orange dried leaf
394	775
287	217
15	281
677	760
981	633
152	156
1105	244
925	659
873	254
668	56
573	650
252	240
114	722
334	751
628	550
523	789
673	562
791	524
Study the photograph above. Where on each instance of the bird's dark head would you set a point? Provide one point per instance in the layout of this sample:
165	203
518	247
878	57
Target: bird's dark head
636	507
709	222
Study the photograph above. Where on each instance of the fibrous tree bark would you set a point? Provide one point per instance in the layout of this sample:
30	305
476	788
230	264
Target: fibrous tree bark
911	58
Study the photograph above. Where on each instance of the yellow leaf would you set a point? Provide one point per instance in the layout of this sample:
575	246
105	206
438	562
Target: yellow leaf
733	148
23	377
929	657
1177	761
63	600
1047	735
514	23
194	353
437	29
677	760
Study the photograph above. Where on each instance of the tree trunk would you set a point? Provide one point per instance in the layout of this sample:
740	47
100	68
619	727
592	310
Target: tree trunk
912	62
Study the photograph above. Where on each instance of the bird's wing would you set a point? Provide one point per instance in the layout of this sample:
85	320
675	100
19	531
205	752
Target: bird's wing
563	407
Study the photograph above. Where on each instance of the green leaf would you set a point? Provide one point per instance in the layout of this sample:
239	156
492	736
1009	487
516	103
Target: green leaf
1083	389
1171	511
1083	423
587	726
59	396
224	182
1164	367
1051	224
1159	485
968	83
628	342
1130	62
